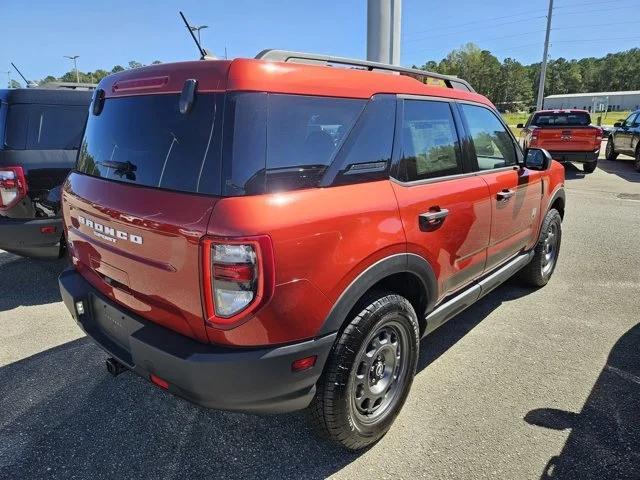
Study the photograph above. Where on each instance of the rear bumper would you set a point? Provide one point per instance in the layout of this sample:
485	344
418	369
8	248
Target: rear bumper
24	237
250	380
577	157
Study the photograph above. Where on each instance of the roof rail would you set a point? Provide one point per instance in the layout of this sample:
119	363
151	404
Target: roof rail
312	58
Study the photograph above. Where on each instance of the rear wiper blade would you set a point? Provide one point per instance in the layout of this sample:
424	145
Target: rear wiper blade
125	167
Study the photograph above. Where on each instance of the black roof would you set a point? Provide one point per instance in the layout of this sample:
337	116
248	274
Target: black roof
45	96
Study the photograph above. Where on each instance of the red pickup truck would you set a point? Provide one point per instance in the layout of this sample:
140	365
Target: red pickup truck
567	134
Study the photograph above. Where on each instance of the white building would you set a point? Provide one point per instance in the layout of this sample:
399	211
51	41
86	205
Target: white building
596	102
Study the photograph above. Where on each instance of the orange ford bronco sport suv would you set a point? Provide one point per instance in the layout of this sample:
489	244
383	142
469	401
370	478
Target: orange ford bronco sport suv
277	233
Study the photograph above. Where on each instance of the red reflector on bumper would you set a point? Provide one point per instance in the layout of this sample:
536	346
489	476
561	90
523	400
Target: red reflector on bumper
49	229
303	363
159	381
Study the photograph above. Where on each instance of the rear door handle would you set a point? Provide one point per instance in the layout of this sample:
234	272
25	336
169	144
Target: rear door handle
505	195
433	218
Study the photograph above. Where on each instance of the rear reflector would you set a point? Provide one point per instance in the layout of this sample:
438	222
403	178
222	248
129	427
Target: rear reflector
48	229
159	381
304	363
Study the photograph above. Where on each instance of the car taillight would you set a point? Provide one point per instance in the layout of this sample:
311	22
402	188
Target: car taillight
238	277
598	134
534	137
13	186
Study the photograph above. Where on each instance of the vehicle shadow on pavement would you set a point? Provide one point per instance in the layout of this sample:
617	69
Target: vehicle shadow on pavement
28	281
604	442
571	172
436	344
623	168
62	414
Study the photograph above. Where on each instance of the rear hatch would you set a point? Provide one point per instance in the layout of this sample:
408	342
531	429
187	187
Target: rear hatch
146	182
565	131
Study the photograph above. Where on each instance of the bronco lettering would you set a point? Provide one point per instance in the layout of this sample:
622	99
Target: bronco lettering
108	233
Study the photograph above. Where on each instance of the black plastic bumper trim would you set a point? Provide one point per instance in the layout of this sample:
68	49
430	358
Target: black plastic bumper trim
23	236
250	380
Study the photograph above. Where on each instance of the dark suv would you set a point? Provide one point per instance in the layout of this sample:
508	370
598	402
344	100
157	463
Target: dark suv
267	235
625	139
40	131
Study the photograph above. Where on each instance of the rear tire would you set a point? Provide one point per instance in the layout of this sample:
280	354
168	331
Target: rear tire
589	167
636	162
610	152
369	372
538	272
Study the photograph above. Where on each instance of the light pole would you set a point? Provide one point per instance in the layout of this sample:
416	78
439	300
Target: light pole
543	66
384	21
75	65
197	29
8	78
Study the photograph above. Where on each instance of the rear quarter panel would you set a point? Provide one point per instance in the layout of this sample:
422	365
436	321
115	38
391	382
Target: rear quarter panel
323	239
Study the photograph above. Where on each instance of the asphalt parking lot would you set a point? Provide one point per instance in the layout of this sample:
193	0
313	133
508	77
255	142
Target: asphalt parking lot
524	385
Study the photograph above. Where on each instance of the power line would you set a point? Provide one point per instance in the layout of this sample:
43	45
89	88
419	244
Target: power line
465	30
501	37
484	20
582	5
595	25
591	11
597	39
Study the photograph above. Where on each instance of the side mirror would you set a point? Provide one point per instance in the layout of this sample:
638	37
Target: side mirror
537	159
520	125
617	124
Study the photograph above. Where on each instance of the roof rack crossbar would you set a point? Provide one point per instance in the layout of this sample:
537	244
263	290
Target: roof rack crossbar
286	56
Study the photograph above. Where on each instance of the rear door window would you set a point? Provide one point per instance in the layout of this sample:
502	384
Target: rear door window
430	146
145	140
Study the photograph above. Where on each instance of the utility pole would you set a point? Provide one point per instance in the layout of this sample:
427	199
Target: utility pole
384	21
8	78
75	65
543	67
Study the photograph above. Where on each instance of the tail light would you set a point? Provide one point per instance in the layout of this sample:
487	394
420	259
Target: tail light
238	278
13	186
534	137
598	134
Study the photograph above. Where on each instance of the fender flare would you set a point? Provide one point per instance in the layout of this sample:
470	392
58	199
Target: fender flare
393	264
559	193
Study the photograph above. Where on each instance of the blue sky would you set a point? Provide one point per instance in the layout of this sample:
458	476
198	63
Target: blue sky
36	34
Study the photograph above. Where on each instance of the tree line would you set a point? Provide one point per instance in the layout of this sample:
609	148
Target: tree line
511	81
508	81
95	76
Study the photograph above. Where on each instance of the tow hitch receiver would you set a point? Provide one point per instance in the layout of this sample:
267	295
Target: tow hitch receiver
114	367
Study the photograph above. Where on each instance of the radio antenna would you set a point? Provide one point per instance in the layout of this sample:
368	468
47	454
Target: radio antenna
203	53
20	73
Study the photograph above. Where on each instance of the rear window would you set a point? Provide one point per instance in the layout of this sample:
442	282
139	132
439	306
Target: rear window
44	127
145	140
563	119
277	142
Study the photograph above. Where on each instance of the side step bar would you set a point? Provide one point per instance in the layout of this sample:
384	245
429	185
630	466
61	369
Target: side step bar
479	289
